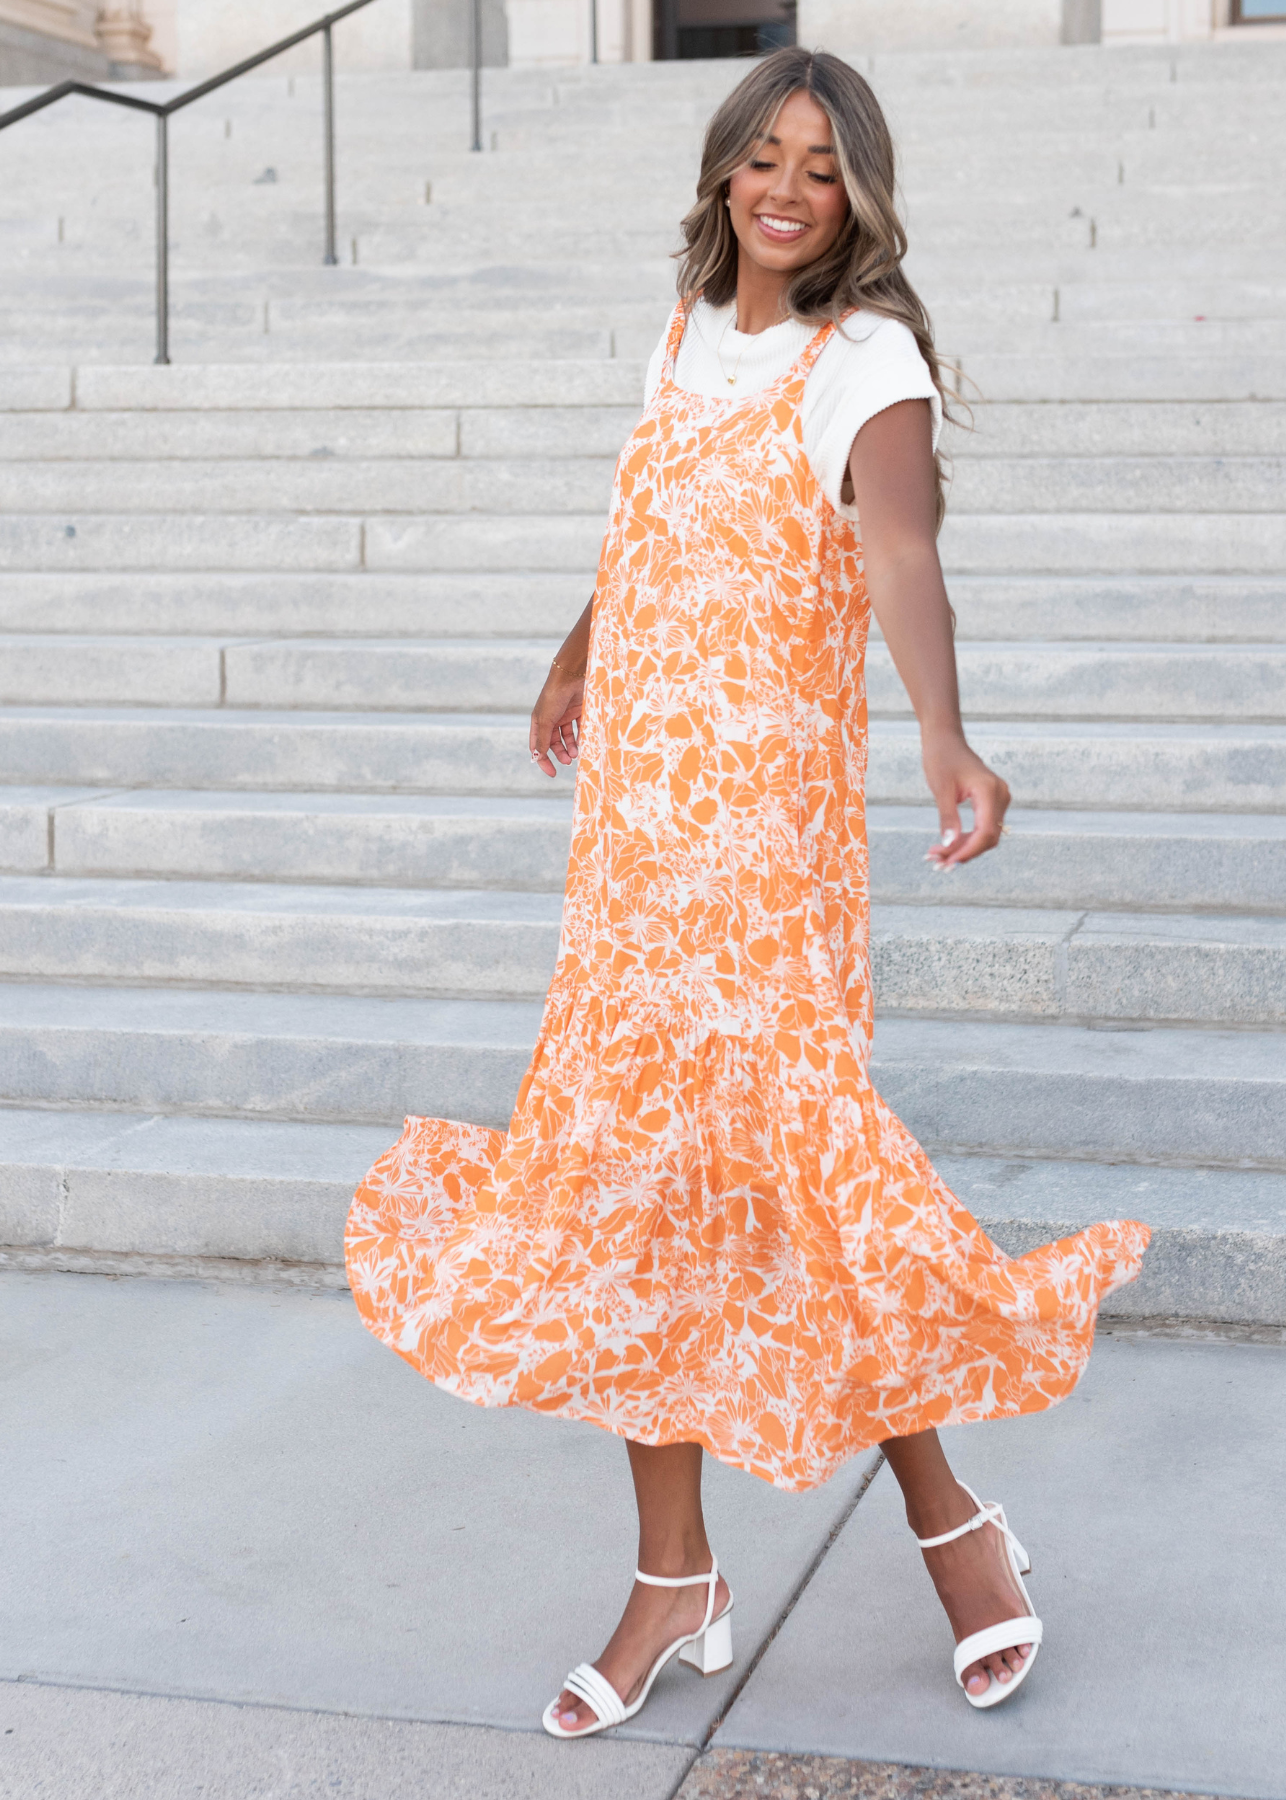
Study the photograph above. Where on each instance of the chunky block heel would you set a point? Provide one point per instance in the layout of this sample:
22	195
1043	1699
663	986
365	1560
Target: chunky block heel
708	1649
712	1651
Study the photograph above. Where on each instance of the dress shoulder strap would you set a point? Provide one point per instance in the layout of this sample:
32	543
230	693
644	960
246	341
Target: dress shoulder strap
820	341
674	337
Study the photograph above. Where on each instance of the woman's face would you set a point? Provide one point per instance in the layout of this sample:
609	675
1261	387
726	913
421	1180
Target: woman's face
788	204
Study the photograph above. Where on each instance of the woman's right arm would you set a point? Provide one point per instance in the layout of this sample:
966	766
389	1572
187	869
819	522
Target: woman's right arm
555	718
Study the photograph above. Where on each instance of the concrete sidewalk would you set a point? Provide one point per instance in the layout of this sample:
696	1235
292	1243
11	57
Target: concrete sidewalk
251	1553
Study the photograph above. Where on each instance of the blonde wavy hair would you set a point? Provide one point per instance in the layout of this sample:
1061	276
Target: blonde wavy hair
864	265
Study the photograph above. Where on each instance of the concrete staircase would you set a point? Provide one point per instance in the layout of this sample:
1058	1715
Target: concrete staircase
275	867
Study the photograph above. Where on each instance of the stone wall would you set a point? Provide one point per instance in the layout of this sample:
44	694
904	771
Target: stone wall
207	37
442	34
856	26
35	59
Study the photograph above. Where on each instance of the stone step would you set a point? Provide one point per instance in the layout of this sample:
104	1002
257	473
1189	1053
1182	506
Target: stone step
1218	1248
1117	429
1227	862
347	433
987	374
996	543
481	385
1205	768
1161	681
1094	485
1139	197
1219	683
1098	484
513	604
376	840
102	1184
995	376
482	943
130	1183
1166	768
568	484
1124	430
106	541
1053	543
442	943
1085	966
1102	291
570	328
392	386
1113	1094
308	1057
1148	222
1175	608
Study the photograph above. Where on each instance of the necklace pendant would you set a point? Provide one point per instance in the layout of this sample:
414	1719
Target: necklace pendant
732	381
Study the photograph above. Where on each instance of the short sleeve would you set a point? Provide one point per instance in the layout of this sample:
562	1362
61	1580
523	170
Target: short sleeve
656	364
874	365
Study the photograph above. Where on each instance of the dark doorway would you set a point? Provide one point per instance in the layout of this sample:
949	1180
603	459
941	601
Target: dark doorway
687	29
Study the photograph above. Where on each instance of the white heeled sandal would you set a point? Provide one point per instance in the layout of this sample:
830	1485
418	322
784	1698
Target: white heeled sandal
708	1649
1010	1632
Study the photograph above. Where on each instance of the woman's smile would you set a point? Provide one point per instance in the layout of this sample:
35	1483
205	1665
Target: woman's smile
780	230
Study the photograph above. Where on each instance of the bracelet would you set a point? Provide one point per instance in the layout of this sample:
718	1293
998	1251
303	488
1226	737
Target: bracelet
555	664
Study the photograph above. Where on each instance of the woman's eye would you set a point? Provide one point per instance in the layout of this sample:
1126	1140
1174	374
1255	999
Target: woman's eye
761	165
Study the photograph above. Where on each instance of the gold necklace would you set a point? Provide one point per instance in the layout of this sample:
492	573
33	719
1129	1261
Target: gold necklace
718	350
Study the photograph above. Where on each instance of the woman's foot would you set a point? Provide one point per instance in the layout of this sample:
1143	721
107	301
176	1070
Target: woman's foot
976	1586
652	1620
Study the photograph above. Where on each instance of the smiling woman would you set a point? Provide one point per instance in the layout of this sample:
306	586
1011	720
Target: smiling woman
704	1229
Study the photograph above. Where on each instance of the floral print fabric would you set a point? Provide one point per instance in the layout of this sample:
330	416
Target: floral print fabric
703	1224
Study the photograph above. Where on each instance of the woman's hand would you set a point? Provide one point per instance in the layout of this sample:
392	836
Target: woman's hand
956	774
555	720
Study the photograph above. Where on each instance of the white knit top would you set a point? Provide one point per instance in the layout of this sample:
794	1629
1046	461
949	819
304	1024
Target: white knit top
873	365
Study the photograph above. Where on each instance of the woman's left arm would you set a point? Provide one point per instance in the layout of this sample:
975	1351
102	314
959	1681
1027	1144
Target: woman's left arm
895	489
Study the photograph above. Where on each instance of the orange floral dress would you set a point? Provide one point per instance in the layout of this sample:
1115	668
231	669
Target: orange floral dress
703	1224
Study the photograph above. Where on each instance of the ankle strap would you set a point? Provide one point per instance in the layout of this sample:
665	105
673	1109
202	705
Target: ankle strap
678	1581
990	1512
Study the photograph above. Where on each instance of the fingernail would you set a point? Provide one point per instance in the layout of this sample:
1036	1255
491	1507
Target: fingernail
949	837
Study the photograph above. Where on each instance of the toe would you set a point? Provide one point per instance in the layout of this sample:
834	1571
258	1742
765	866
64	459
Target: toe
976	1680
571	1713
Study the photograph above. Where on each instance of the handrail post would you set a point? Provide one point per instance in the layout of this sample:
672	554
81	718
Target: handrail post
328	84
593	31
162	238
161	112
475	34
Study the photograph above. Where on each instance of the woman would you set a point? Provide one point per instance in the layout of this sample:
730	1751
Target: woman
704	1230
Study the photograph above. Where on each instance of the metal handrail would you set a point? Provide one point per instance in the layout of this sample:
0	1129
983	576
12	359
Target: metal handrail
161	110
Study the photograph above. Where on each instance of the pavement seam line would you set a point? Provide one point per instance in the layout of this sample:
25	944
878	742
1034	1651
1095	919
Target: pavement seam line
796	1595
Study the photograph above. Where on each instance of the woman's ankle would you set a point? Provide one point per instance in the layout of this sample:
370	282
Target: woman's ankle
673	1554
942	1508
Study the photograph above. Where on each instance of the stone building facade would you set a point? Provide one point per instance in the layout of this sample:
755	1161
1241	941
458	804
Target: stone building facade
47	40
52	40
